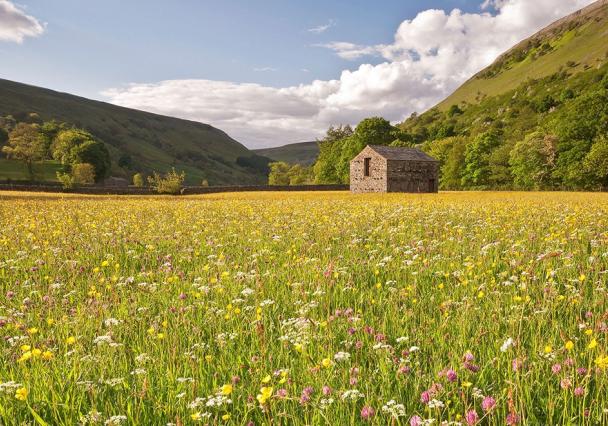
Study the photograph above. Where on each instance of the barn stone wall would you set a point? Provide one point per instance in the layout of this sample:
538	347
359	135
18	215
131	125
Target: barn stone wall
412	176
376	181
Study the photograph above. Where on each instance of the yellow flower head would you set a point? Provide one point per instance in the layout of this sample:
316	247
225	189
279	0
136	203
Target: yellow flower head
264	395
226	389
21	394
70	340
569	345
326	362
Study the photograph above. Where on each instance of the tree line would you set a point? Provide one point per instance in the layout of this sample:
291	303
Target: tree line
550	133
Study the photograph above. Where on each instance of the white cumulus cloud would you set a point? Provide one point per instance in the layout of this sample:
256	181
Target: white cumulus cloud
431	55
16	25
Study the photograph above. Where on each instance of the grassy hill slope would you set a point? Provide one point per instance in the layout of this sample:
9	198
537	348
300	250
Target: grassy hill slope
577	42
304	153
536	118
154	142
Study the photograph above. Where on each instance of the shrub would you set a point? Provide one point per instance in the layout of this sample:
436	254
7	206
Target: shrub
138	180
83	173
170	183
66	179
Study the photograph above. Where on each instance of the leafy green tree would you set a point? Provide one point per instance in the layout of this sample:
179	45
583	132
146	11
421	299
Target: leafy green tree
300	175
65	142
279	173
330	146
477	159
96	154
49	131
596	161
532	161
454	110
453	168
26	144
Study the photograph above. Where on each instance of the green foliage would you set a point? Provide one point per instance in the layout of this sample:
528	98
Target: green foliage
454	110
66	179
138	180
25	144
278	173
83	173
282	173
532	161
255	162
96	154
125	161
477	159
62	148
596	161
170	183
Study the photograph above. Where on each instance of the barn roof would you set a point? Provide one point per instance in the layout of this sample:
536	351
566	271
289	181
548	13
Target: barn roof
401	153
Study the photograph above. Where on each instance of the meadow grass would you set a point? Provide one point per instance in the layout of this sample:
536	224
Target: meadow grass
307	308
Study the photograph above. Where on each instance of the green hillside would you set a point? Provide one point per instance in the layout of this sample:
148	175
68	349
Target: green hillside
304	153
149	142
535	119
576	43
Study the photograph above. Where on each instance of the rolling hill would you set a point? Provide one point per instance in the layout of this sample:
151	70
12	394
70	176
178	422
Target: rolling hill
152	142
537	118
304	153
577	42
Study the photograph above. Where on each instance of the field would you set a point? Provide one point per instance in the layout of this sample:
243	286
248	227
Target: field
278	308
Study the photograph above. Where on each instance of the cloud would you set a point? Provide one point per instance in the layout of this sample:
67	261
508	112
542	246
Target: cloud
322	28
430	56
265	69
349	51
16	25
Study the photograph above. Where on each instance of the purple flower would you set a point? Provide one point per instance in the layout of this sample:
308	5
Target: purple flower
488	403
556	368
182	296
468	357
425	397
565	383
471	417
282	393
308	390
326	390
451	375
512	419
404	369
581	371
416	421
579	391
471	367
367	412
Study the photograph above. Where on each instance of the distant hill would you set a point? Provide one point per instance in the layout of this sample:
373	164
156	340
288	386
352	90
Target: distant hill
152	142
304	153
537	118
576	43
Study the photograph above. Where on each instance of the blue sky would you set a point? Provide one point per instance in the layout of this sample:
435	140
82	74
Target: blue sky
267	72
89	46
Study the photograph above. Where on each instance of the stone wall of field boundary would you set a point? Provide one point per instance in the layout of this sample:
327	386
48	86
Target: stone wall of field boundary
188	190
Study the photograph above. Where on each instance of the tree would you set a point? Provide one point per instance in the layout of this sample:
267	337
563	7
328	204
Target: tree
26	144
65	142
96	154
138	180
279	173
477	159
532	161
170	183
596	161
125	161
49	131
83	173
453	169
330	146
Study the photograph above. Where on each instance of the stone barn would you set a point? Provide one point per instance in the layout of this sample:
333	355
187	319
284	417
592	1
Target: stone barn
393	169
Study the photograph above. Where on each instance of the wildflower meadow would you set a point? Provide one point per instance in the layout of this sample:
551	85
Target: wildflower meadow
304	309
